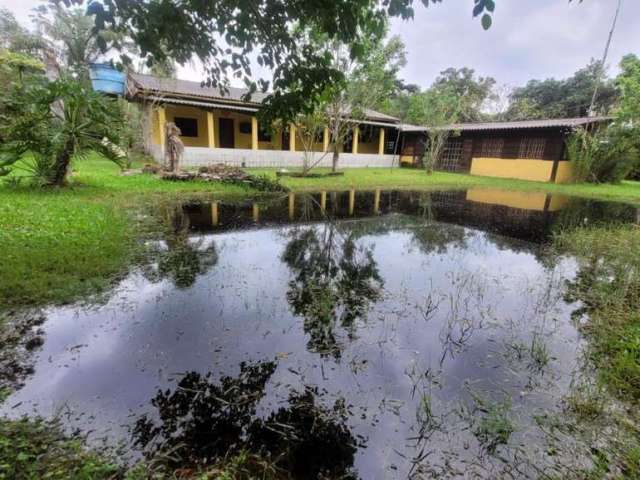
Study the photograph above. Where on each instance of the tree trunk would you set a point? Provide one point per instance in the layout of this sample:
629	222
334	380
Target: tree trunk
61	166
334	159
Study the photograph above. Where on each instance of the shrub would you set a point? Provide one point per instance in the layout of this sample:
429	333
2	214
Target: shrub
607	156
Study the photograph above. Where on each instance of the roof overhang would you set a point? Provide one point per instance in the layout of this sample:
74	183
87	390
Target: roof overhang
199	103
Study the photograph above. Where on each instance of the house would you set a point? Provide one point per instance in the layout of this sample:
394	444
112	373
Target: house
527	150
223	127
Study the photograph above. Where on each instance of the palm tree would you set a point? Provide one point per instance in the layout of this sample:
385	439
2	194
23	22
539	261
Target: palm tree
57	122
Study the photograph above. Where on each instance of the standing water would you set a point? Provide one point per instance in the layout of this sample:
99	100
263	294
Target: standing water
367	335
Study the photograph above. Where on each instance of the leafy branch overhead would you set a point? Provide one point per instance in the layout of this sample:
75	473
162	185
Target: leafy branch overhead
224	35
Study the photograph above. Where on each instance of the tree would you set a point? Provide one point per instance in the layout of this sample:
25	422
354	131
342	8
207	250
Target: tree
367	84
56	122
15	38
72	35
628	83
471	92
436	109
569	97
223	34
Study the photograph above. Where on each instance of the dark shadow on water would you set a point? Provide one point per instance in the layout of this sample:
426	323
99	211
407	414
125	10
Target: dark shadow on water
201	421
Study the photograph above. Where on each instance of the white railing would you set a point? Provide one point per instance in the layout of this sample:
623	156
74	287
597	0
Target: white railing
200	156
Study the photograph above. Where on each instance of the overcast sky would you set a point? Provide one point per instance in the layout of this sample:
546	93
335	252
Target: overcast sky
528	39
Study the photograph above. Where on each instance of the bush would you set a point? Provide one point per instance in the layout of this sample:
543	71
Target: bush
607	156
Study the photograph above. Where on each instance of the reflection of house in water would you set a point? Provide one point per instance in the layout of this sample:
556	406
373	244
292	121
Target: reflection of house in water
525	215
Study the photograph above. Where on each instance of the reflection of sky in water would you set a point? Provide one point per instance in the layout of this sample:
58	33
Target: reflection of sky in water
104	364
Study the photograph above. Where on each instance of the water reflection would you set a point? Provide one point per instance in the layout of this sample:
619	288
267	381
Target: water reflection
199	422
414	320
180	257
529	216
334	281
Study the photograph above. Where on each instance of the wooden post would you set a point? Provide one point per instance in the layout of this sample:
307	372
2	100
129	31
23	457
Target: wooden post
376	201
256	212
381	142
356	134
211	132
325	138
214	214
323	201
352	201
292	205
254	133
292	138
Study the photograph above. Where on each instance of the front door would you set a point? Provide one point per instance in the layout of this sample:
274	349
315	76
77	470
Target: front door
227	135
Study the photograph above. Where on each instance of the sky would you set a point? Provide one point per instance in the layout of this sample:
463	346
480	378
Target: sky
529	38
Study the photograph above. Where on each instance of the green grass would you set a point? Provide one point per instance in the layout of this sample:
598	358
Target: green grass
60	245
406	178
608	285
35	449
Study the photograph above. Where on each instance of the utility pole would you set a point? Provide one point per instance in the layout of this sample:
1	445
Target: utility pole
600	71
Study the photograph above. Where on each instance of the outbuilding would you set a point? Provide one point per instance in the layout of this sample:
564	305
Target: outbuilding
527	150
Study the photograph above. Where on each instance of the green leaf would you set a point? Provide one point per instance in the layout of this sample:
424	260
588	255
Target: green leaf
489	5
486	21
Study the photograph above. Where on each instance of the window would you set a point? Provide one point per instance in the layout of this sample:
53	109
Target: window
451	155
188	126
244	127
264	135
532	147
492	147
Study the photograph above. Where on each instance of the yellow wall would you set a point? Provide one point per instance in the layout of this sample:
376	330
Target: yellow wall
370	147
539	170
155	127
564	173
202	140
242	140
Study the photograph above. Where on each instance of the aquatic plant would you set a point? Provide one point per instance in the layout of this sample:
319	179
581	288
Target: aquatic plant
494	427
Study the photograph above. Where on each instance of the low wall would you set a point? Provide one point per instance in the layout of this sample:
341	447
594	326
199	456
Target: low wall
564	174
200	156
523	169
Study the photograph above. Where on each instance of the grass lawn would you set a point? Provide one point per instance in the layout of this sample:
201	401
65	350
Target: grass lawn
62	244
407	178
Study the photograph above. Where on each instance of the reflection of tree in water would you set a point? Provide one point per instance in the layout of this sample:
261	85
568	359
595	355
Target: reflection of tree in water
431	236
184	259
334	280
203	422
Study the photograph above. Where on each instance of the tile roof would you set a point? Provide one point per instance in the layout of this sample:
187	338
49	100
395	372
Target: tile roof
188	88
518	125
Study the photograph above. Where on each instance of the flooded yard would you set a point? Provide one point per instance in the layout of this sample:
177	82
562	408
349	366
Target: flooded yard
371	335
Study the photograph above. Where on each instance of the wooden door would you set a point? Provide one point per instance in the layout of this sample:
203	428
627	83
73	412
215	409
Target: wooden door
227	133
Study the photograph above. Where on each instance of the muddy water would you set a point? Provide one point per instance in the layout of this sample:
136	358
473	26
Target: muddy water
362	335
